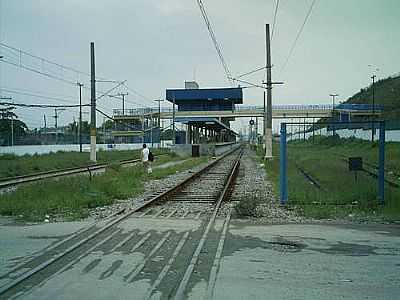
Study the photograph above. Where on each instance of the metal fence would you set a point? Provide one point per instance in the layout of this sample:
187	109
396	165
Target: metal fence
305	139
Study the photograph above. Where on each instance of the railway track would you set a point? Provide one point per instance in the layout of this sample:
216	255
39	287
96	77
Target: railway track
173	258
13	181
309	178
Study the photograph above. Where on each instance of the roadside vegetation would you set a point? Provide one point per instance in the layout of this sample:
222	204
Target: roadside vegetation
340	193
72	197
247	205
13	165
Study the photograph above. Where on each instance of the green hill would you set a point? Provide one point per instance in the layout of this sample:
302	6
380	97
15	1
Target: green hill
387	93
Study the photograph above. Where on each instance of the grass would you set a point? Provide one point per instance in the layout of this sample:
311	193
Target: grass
13	165
72	197
340	194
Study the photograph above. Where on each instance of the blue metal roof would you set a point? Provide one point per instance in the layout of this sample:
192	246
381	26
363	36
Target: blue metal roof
227	94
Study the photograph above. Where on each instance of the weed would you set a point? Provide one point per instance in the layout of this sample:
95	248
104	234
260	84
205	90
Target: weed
72	197
247	205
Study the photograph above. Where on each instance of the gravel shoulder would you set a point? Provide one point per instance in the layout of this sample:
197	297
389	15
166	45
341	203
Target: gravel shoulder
252	183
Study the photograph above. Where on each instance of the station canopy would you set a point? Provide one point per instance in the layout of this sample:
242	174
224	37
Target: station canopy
181	96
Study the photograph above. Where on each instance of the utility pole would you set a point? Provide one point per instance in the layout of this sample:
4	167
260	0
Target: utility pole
265	122
143	128
268	111
159	117
373	108
80	115
151	129
333	111
12	130
93	105
123	101
45	123
45	128
256	130
173	122
56	110
104	130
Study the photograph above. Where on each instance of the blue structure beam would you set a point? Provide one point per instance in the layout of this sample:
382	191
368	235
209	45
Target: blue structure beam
283	180
381	171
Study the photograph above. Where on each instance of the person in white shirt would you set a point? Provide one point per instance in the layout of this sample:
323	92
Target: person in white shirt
145	158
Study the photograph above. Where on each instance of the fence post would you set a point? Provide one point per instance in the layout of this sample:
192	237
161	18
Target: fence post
283	166
381	171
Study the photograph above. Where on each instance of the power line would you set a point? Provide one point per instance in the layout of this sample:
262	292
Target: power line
298	34
38	72
39	105
215	42
18	62
274	22
19	52
35	95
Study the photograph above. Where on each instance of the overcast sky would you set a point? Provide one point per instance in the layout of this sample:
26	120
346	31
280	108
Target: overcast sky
156	45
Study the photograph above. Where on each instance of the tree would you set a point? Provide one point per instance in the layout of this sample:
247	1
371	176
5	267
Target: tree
7	119
109	124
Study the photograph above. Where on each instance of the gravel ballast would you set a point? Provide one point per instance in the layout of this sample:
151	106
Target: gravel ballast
253	185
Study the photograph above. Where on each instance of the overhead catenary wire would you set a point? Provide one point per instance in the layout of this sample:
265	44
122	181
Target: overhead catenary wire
18	62
215	41
11	91
110	90
128	101
20	51
136	93
250	72
250	83
274	22
39	72
298	35
17	57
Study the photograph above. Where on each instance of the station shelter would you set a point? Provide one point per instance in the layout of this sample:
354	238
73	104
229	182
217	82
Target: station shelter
200	129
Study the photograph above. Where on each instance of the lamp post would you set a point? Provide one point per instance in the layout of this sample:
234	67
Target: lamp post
159	117
80	115
373	108
373	100
333	110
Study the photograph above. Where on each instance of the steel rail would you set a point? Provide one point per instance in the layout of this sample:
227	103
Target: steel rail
180	294
165	195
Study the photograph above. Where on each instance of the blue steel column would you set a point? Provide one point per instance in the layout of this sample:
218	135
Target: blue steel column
381	171
283	166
